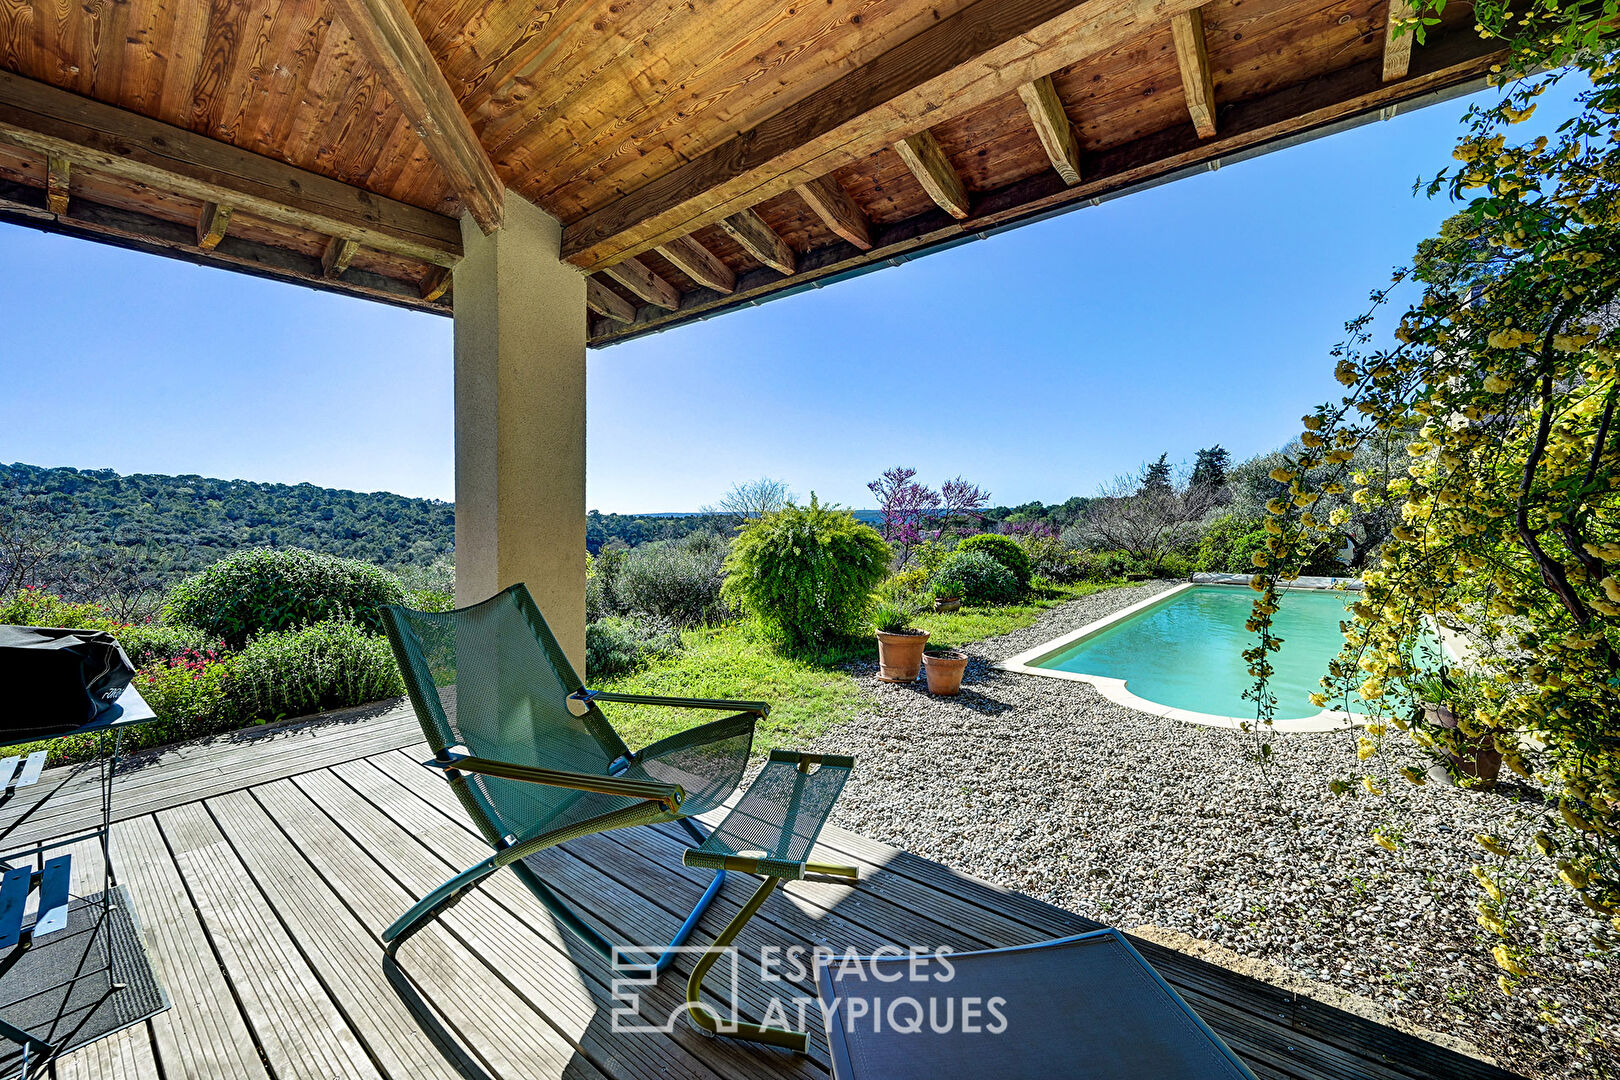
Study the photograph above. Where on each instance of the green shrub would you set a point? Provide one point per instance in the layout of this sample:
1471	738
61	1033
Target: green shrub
907	582
32	607
1049	558
1005	550
156	644
1229	544
329	665
675	580
264	589
616	646
976	577
431	587
601	575
893	616
806	573
193	694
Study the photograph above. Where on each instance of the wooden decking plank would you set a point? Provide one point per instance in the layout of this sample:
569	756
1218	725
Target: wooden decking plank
204	1035
449	844
489	1017
68	799
343	954
544	970
301	1030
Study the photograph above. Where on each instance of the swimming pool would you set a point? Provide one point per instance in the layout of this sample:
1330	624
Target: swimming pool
1180	654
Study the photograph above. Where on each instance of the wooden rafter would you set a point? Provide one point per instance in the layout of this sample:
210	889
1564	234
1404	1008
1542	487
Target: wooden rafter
760	241
837	210
604	301
1273	120
699	263
634	275
212	224
57	172
337	256
1397	47
1052	126
393	45
933	170
129	146
976	54
1192	53
436	283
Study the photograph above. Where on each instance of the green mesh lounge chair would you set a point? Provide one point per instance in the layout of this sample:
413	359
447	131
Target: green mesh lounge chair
541	764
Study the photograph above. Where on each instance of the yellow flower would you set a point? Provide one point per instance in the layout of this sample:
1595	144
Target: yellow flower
1491	888
1545	844
1276	506
1312	423
1414	775
1311	439
1507	963
1371	786
1496	384
1505	985
1572	875
1492	845
1319	700
1384	842
1365	748
1258	583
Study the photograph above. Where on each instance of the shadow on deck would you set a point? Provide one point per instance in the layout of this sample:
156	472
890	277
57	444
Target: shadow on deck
264	866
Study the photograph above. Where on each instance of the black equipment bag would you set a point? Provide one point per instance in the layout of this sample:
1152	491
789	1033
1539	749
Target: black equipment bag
53	681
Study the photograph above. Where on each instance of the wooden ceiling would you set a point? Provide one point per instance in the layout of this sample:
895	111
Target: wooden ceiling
701	153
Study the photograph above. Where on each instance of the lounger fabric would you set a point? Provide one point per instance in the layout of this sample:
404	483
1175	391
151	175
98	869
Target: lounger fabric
1087	1008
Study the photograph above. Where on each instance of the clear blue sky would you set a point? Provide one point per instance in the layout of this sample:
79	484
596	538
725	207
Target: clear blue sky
1038	363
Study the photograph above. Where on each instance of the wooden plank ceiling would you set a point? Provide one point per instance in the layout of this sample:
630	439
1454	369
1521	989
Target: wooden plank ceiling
701	153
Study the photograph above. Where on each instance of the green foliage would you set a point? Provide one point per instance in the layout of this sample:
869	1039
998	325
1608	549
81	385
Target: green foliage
176	525
976	577
156	644
615	646
34	607
329	665
806	573
675	580
431	587
1228	545
911	581
1005	550
892	616
265	589
193	694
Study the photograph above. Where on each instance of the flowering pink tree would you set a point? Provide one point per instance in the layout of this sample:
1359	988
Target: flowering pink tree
911	512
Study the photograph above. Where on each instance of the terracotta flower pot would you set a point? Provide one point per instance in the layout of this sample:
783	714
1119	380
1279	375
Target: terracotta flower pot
1480	759
945	672
900	655
943	604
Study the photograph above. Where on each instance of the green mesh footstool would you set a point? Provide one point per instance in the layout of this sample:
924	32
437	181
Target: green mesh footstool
770	833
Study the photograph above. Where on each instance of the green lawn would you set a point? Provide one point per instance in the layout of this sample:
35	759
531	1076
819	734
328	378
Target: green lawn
806	696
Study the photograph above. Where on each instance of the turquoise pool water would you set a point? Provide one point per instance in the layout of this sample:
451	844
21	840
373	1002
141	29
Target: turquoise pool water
1187	652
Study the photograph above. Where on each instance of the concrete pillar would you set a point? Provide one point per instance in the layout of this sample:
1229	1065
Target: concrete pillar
520	419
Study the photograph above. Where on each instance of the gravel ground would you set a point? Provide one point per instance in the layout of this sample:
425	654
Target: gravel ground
1044	786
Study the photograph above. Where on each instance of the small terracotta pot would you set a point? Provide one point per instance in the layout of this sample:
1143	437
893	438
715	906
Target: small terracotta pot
942	604
900	655
1481	760
945	672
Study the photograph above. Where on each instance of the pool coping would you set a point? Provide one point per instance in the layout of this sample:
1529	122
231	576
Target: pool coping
1116	691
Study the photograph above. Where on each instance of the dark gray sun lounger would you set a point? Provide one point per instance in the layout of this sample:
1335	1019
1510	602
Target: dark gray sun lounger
1086	1008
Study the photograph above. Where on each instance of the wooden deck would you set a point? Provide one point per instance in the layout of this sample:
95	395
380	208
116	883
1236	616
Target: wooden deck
263	868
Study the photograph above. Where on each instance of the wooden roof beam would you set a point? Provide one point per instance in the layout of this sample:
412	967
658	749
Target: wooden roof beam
337	256
435	283
978	53
392	44
57	171
1052	126
1192	53
1397	47
760	241
604	301
634	275
837	210
212	224
699	263
132	147
927	161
